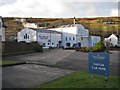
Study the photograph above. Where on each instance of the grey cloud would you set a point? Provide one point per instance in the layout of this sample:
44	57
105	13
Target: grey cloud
93	8
7	2
69	9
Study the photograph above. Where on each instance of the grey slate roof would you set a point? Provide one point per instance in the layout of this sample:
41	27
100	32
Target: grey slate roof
44	30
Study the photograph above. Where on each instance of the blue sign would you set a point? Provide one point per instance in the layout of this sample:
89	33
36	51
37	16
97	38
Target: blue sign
98	63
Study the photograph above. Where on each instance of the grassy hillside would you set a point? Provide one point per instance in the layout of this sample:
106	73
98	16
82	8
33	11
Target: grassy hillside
97	26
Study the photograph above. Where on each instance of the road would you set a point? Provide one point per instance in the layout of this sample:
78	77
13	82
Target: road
48	57
53	64
30	76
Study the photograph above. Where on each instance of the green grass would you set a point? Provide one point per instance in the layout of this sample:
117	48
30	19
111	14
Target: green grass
4	62
82	79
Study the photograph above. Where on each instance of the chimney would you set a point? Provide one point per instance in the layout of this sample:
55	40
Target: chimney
74	21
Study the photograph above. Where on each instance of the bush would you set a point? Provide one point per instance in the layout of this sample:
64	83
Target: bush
99	47
83	49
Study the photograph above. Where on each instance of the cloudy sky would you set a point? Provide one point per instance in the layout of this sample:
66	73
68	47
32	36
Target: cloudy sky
58	8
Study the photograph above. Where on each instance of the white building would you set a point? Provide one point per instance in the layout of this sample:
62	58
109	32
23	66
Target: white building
49	38
93	40
66	36
2	30
113	40
73	34
45	37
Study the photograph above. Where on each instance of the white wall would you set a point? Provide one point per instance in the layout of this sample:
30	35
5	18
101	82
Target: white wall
84	42
3	34
49	39
55	38
93	40
31	35
2	31
43	38
68	38
112	39
67	32
81	31
83	36
76	31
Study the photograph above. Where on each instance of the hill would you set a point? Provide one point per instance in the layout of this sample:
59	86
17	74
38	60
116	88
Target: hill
97	26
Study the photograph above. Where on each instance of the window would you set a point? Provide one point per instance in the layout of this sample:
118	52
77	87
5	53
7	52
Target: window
66	38
43	44
69	38
68	44
73	38
118	42
52	43
48	43
118	38
110	40
79	44
81	38
26	36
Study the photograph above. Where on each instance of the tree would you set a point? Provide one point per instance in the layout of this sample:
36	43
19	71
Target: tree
99	46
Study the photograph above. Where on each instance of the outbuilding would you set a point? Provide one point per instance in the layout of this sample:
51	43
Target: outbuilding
112	40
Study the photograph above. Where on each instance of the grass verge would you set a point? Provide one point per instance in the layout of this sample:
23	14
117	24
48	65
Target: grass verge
7	62
82	79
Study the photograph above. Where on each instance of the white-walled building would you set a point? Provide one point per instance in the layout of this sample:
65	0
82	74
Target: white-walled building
65	36
27	34
113	40
2	30
73	34
49	38
44	37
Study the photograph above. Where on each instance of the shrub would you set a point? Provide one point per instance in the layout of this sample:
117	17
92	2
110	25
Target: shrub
85	49
99	47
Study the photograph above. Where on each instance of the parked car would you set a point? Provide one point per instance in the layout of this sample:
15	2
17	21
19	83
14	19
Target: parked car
44	47
76	47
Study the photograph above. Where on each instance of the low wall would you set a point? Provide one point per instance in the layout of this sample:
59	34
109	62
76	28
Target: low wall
9	48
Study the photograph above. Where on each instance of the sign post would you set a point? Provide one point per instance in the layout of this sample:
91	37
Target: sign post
99	63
